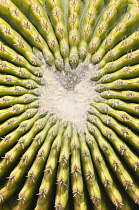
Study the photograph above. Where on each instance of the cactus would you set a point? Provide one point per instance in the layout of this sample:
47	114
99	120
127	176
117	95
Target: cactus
69	113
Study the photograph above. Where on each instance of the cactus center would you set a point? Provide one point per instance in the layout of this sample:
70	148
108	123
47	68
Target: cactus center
68	93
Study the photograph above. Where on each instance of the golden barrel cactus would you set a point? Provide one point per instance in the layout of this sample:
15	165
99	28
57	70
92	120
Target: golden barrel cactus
69	104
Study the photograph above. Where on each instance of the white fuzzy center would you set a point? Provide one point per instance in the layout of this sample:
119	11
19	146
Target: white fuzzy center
68	94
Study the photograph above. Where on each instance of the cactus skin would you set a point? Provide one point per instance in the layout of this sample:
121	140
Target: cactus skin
47	161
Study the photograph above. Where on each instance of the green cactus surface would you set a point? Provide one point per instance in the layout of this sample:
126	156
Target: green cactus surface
69	104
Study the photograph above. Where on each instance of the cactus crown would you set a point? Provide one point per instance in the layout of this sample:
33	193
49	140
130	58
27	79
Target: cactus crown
69	113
